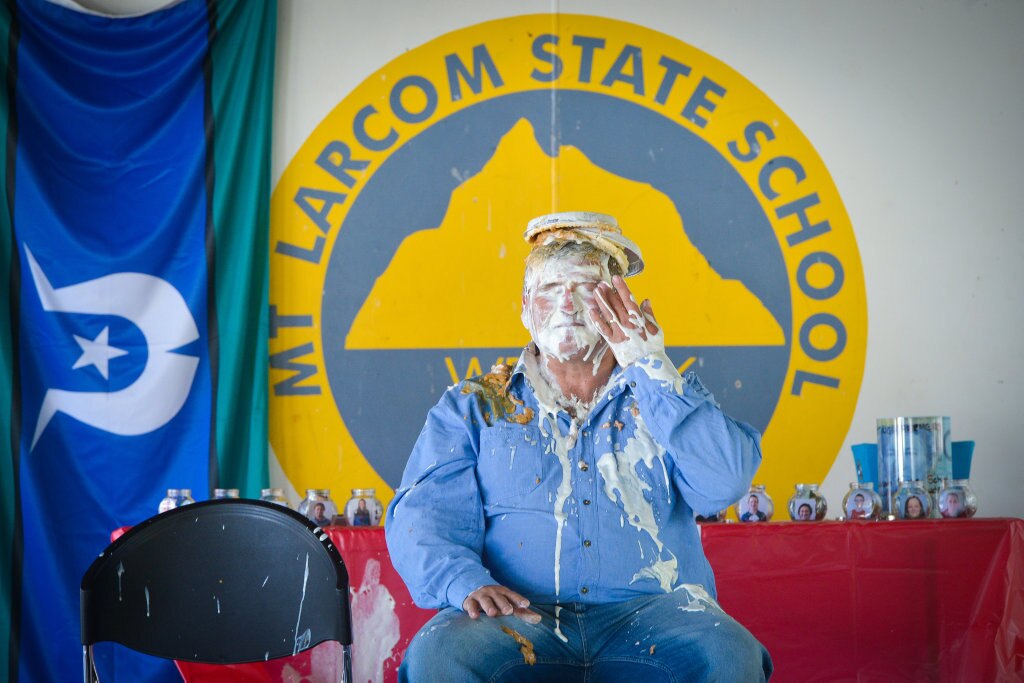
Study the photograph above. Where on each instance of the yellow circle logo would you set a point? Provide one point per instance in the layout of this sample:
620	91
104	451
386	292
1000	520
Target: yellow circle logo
397	251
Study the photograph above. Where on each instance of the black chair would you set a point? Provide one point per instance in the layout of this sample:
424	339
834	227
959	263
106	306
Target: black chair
220	582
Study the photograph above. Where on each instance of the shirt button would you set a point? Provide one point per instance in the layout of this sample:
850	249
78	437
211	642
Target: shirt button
632	384
584	590
583	466
586	543
586	501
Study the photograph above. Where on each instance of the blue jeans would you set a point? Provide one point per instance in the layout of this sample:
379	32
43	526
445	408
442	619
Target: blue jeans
678	636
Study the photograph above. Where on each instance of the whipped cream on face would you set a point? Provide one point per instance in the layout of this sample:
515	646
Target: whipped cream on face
559	295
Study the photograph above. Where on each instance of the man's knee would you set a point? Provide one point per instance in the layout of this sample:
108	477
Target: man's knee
453	647
431	645
423	649
733	654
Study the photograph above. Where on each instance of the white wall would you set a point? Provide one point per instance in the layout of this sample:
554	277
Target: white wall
917	110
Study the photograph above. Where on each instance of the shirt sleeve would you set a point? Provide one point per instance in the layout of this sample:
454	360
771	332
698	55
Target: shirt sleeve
714	456
435	524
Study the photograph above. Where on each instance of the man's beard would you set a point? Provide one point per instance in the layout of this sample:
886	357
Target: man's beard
557	337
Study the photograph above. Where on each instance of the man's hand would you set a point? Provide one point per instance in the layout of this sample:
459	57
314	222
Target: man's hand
630	330
495	600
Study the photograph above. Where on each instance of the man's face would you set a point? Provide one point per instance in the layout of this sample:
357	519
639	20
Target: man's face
556	304
753	504
859	501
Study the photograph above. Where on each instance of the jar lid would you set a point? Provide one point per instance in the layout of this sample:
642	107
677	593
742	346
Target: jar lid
364	492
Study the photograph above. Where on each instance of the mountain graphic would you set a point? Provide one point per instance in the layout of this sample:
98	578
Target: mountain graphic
459	285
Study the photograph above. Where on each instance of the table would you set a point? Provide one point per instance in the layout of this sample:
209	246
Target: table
832	601
878	601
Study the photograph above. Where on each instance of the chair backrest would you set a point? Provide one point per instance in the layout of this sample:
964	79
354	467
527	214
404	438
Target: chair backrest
223	581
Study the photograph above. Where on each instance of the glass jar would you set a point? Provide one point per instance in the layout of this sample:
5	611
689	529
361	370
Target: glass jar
363	508
318	506
862	502
756	506
956	499
175	499
225	493
913	501
274	495
170	501
807	504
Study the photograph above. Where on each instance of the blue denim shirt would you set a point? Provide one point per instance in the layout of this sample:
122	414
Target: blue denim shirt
491	494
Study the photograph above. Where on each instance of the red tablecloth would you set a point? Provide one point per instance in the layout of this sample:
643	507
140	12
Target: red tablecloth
886	601
832	601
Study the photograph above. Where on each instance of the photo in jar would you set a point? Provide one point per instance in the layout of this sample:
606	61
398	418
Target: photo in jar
804	511
755	507
363	509
913	504
318	514
807	504
318	507
859	504
951	504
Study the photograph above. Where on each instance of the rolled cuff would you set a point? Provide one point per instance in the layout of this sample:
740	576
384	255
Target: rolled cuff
465	583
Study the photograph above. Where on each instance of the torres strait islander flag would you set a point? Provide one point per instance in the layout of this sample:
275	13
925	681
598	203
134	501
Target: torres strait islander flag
133	319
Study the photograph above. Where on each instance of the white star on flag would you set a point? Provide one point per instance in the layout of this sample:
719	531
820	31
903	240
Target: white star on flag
97	352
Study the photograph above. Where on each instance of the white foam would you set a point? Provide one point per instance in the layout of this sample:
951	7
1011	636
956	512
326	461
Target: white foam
374	619
621	484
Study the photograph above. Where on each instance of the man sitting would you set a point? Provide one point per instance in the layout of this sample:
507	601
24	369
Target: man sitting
548	510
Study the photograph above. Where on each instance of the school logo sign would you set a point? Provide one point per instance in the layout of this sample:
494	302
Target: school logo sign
397	255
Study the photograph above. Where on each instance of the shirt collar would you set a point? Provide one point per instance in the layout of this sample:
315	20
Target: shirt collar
518	376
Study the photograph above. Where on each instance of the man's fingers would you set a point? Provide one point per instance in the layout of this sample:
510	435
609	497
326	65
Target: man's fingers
601	297
516	609
620	298
600	320
652	322
626	296
496	601
527	615
516	599
487	605
503	604
611	327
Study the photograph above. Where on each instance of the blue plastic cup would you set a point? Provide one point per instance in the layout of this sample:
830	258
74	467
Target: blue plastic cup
865	459
963	451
